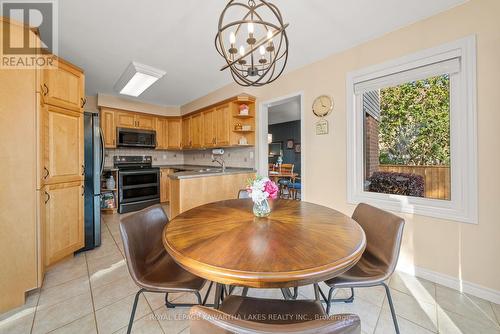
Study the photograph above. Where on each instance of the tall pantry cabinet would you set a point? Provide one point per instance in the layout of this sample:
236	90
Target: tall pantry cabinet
41	159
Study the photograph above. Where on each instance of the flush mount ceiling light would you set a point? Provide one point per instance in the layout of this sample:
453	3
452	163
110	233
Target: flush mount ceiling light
137	78
255	47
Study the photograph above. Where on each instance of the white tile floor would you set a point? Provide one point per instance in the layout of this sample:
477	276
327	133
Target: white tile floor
93	293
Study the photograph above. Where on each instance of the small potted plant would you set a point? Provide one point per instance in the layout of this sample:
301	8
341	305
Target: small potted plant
261	189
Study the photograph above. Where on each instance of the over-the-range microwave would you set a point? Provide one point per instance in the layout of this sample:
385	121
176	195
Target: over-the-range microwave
135	138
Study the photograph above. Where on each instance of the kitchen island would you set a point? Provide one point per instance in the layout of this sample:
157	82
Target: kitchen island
191	186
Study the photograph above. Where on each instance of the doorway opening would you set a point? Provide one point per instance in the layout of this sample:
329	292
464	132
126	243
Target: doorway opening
281	144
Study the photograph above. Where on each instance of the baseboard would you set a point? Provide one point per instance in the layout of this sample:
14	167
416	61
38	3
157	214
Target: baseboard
455	283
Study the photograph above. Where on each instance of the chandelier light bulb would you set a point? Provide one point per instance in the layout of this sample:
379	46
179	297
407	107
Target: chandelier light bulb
269	34
242	51
251	28
262	50
232	38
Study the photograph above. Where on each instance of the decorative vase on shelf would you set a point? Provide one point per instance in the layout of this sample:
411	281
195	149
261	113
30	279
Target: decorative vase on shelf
261	209
110	183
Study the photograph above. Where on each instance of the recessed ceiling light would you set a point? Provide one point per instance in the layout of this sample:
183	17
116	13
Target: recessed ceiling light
137	78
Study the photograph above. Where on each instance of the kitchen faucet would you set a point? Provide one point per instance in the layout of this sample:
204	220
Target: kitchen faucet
220	160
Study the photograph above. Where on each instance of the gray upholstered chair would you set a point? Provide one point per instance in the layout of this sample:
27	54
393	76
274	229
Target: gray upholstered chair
384	232
244	315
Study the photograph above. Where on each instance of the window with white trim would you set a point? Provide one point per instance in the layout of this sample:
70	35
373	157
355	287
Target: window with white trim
412	133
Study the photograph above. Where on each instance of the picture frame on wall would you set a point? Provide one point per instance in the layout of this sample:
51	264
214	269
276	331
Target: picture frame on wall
297	148
290	144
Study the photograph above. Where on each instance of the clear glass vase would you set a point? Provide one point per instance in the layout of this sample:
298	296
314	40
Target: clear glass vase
261	209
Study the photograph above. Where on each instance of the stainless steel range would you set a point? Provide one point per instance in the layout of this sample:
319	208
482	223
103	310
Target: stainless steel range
138	184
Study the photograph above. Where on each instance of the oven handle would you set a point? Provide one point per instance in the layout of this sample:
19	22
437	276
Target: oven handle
142	171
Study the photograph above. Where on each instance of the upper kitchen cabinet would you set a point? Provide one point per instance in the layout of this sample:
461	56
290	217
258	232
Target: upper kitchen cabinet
196	128
186	132
64	86
62	142
209	128
161	127
108	128
223	124
125	120
174	134
145	122
130	120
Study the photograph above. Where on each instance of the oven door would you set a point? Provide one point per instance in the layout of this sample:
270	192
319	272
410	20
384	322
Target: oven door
136	138
139	185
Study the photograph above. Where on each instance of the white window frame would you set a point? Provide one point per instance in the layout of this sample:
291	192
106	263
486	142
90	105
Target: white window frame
463	136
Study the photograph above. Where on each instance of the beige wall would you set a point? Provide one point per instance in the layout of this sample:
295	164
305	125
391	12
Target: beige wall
468	252
116	102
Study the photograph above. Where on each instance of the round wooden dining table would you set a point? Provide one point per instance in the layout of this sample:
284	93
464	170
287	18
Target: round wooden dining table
299	244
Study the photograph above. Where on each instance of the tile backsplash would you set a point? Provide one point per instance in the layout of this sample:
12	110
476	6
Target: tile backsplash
159	157
243	157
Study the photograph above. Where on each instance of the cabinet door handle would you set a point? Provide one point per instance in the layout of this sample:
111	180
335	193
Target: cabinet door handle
48	197
46	91
83	102
46	173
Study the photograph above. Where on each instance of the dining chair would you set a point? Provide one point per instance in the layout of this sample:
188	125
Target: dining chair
286	178
243	194
384	232
149	264
246	315
295	188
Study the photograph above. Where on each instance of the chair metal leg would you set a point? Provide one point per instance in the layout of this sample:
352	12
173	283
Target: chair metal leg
244	293
391	305
208	292
174	305
134	308
350	299
329	300
288	295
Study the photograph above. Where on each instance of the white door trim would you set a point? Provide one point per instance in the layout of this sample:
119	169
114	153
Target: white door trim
262	146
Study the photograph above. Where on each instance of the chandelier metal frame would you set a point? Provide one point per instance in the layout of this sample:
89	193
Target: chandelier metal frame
256	71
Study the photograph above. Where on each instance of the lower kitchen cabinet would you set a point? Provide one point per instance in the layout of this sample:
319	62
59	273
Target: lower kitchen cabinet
63	220
164	185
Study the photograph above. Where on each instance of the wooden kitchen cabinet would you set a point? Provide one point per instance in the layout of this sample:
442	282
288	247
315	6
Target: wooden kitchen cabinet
134	121
196	128
209	128
64	86
62	143
145	122
186	132
125	120
108	128
174	134
223	125
161	128
64	225
164	184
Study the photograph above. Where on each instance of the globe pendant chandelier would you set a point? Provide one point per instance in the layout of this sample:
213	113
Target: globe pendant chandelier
252	40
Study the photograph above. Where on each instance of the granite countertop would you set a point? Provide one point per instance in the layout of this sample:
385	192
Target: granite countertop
194	171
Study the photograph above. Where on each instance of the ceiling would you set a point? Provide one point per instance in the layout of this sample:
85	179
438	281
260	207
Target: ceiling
103	37
284	111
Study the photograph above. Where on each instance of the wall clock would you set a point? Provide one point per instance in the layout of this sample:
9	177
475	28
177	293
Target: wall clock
323	105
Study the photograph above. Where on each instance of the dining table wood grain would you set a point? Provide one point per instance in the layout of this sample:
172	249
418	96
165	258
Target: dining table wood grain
300	243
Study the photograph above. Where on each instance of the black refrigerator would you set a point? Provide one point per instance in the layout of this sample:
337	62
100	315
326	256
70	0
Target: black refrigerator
94	162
